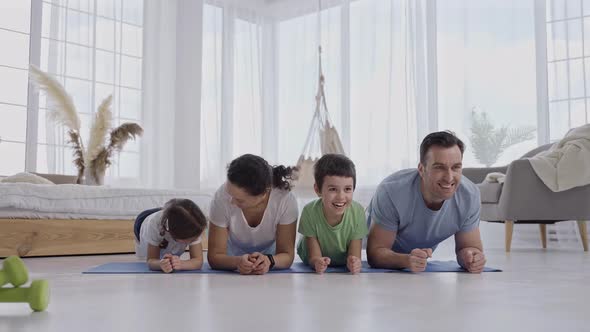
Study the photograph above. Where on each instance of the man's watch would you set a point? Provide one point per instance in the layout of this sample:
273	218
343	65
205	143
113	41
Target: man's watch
272	261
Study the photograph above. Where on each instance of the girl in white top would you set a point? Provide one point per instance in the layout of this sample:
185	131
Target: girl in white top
161	236
253	218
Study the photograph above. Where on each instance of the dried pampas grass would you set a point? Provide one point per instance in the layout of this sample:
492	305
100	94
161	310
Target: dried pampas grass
94	161
76	142
123	133
63	110
99	130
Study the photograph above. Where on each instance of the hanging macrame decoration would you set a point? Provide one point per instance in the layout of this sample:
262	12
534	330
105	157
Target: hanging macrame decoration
322	137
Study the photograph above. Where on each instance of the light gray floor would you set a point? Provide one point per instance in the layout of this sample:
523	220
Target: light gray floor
540	290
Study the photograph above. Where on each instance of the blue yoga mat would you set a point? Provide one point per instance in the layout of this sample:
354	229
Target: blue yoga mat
298	267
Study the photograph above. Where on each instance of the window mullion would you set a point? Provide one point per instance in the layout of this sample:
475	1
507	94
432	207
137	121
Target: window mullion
33	94
543	129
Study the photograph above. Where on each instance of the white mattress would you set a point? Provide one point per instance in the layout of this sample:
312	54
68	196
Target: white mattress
70	201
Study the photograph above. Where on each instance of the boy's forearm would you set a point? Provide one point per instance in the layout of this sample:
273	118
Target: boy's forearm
355	248
312	260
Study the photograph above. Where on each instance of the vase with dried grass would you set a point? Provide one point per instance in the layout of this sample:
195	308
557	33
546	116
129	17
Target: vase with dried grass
92	162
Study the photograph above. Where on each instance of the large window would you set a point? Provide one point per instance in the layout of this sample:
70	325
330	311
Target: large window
486	77
15	37
568	64
94	48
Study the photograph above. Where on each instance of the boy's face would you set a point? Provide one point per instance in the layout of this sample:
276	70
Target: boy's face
336	194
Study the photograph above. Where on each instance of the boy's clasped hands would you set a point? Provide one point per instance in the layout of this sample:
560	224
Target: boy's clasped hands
320	264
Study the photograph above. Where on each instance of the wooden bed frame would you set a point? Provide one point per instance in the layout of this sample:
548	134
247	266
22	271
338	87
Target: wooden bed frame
51	237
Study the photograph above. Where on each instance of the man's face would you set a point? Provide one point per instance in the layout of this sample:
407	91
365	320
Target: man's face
441	173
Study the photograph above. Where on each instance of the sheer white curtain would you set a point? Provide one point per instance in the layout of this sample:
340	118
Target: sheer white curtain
172	94
206	99
297	66
375	63
238	87
389	86
259	75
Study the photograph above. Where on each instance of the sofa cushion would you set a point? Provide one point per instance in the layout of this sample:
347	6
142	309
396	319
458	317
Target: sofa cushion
59	178
26	178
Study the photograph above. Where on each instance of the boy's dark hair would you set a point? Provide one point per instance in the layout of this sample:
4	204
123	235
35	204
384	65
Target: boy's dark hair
254	174
445	139
183	219
333	165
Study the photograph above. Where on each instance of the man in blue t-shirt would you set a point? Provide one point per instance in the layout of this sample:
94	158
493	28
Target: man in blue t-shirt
414	210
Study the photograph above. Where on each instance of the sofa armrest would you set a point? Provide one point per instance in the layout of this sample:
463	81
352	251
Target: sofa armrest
478	174
526	197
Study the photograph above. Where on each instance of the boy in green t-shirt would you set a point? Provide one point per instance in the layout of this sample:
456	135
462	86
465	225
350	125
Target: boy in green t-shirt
334	225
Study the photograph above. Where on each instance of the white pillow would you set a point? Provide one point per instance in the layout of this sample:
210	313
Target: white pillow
26	178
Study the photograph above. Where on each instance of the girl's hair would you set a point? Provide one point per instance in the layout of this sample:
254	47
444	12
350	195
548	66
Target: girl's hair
183	219
254	174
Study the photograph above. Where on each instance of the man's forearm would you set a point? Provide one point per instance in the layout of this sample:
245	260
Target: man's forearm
385	258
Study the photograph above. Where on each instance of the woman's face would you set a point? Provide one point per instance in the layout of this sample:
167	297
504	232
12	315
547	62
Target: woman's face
242	199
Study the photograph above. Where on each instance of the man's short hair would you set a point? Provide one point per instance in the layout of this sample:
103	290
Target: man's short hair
445	139
333	165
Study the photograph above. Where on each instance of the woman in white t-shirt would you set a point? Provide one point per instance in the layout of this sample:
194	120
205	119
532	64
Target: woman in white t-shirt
253	218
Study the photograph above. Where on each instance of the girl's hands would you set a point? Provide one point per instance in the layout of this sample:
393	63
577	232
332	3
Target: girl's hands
170	262
166	264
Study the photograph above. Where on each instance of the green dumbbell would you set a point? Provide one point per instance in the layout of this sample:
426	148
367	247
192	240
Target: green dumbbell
14	271
37	296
